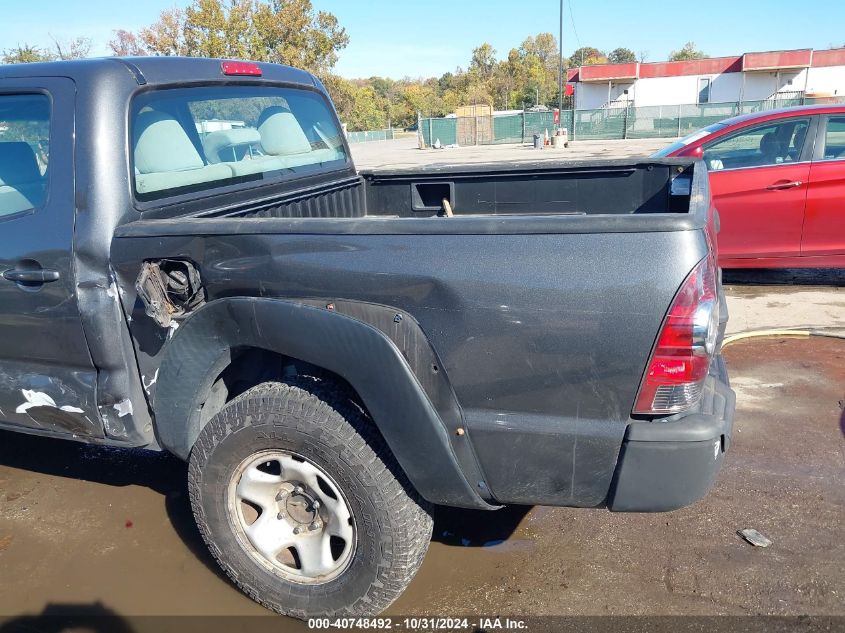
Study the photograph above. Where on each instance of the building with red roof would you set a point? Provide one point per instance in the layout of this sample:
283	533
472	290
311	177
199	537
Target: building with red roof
771	75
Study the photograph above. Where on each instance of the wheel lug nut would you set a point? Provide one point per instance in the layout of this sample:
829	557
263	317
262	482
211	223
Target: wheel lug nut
296	530
316	504
299	490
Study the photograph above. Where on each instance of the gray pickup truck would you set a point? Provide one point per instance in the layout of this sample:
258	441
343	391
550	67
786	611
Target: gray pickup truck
191	263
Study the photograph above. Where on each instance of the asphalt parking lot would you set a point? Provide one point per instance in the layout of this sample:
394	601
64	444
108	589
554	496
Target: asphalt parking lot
405	153
83	526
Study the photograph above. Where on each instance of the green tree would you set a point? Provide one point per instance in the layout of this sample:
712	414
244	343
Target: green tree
26	53
75	48
689	51
388	92
483	61
621	56
538	58
543	46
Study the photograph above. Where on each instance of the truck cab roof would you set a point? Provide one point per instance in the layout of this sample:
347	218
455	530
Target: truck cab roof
151	71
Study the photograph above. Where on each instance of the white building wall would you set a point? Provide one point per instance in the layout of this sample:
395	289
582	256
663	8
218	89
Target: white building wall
589	95
827	79
762	85
666	91
725	87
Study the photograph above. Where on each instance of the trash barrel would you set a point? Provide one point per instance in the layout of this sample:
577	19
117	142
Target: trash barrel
538	141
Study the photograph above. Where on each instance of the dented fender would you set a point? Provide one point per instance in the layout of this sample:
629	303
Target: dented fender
438	462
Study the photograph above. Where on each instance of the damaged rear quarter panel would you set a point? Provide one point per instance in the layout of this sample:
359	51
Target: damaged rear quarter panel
555	333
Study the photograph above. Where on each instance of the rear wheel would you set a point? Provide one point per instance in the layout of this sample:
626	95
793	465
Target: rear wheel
302	503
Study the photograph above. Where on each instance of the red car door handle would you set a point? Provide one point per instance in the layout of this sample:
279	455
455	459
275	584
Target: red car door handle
784	184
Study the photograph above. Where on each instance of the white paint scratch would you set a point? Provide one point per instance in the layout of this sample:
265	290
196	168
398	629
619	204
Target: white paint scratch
148	385
124	407
40	399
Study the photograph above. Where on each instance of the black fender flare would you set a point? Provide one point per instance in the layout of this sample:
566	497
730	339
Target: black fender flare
363	355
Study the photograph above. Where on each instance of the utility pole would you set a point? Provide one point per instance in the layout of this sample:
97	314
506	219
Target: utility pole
560	71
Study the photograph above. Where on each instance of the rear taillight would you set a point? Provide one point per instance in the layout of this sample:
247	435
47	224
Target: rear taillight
685	346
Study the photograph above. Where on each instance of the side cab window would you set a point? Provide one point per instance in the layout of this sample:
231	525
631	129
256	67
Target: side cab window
24	152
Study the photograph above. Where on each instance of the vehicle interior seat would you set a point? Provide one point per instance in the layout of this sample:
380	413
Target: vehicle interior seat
165	157
22	186
230	145
794	152
769	148
284	143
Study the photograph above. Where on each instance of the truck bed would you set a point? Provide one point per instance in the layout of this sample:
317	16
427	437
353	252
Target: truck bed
666	190
540	298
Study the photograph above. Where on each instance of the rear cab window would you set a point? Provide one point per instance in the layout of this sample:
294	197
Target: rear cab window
198	139
24	152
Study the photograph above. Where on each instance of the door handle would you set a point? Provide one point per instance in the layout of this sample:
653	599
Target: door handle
784	184
38	276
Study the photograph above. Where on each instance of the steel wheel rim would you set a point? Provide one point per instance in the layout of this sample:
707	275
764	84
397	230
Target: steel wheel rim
291	517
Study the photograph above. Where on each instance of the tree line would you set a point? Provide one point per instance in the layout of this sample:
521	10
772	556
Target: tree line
293	32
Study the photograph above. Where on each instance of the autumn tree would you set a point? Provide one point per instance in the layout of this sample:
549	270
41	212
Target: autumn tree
621	56
76	48
586	56
166	36
127	44
279	31
688	52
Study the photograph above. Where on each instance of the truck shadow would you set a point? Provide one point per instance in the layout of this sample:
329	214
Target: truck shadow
785	276
842	417
96	618
67	618
158	471
476	528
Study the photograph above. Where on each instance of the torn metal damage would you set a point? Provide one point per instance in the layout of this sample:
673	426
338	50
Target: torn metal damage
169	289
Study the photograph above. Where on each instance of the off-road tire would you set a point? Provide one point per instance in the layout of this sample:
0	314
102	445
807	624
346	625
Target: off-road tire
321	421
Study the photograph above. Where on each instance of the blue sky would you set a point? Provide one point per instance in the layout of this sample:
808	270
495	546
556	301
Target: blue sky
430	37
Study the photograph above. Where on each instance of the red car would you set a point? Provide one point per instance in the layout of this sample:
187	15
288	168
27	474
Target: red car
778	181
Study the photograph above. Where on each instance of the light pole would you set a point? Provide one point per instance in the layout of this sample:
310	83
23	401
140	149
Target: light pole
560	71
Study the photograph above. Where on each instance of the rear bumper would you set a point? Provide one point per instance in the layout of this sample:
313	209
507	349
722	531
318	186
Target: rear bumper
667	465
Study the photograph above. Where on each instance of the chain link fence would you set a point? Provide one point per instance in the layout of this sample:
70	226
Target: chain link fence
370	135
668	121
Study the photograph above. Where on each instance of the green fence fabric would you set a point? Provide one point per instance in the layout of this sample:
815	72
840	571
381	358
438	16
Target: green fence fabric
445	129
668	121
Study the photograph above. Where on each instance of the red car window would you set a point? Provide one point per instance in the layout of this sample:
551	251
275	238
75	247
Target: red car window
771	144
834	139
